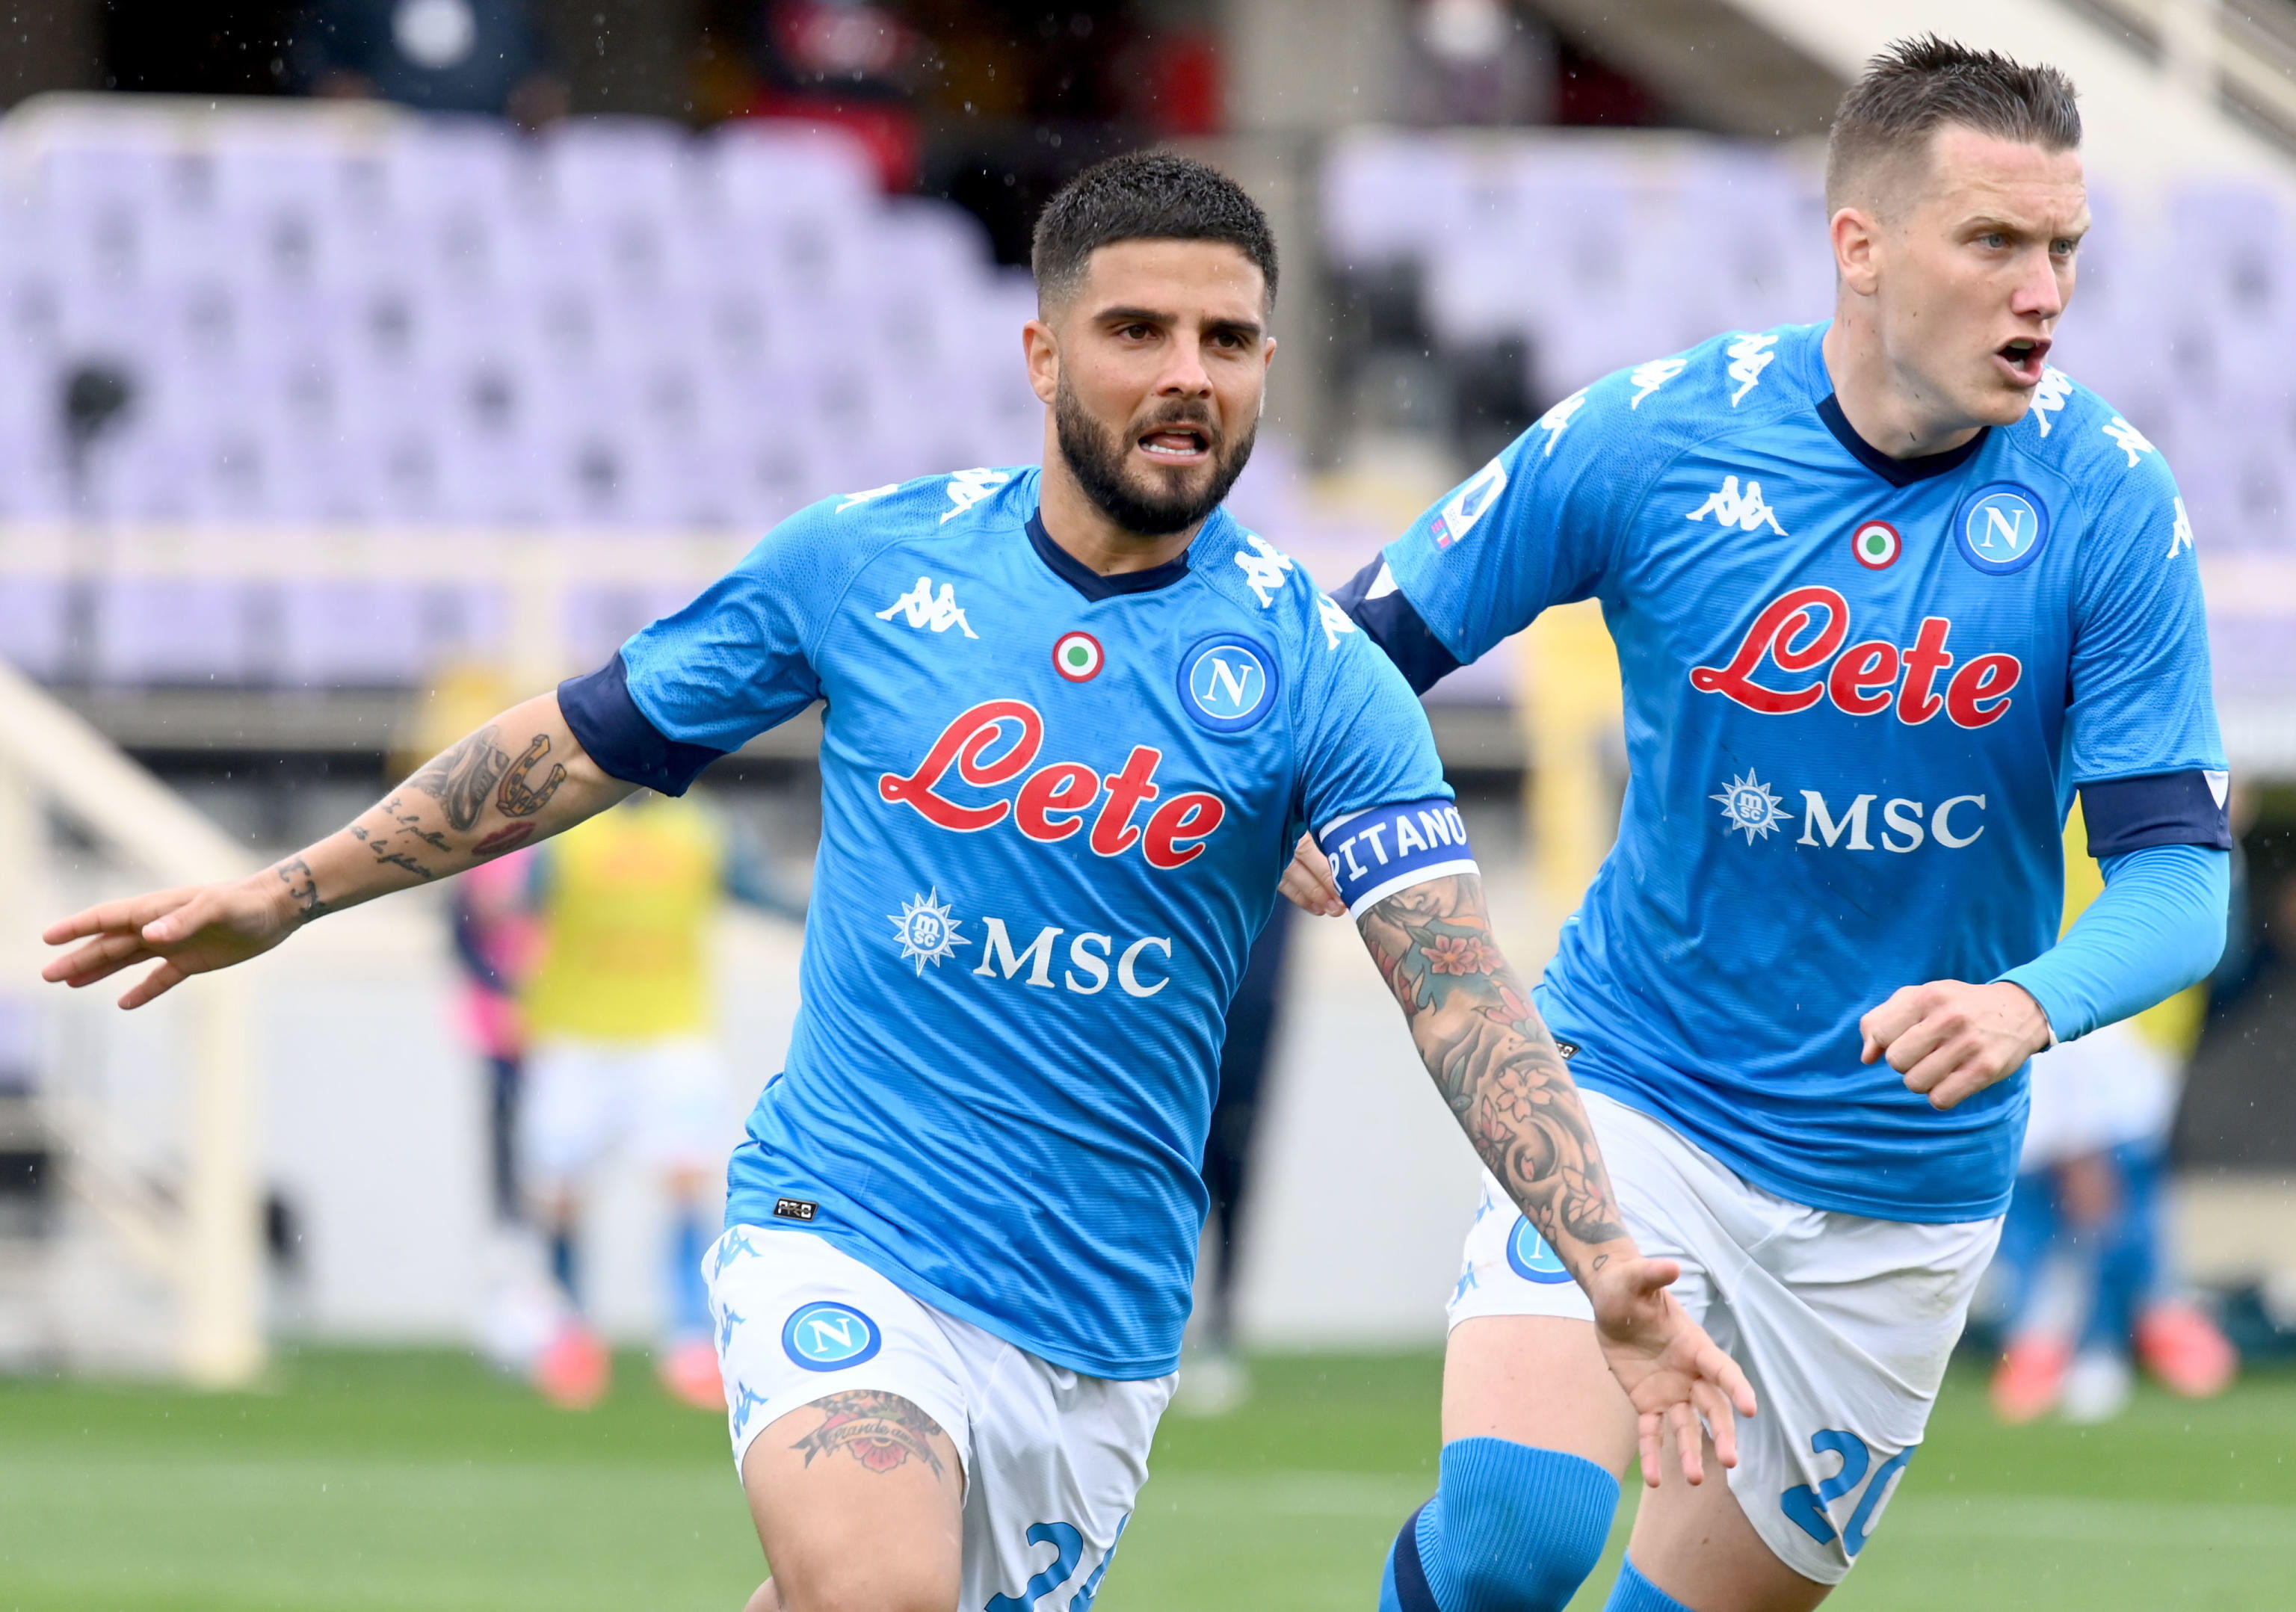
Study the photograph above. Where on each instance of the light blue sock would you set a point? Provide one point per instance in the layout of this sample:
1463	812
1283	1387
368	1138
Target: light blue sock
688	1294
1635	1593
1512	1528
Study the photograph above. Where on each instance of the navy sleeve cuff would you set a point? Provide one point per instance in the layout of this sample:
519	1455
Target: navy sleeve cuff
599	709
1393	625
2127	815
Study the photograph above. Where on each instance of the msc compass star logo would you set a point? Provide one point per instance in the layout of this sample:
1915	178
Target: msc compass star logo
926	932
1748	804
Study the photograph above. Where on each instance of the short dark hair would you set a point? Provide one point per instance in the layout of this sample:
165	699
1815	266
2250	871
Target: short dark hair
1917	85
1144	196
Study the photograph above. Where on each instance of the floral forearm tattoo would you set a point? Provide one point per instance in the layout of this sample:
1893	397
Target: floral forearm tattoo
1495	1065
882	1431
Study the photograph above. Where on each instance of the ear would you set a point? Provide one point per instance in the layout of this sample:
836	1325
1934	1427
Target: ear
1857	237
1042	349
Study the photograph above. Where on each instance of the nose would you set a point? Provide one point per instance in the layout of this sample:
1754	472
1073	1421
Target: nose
1184	374
2039	292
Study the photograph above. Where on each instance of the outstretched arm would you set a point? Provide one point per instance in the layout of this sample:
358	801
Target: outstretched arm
1505	1082
521	778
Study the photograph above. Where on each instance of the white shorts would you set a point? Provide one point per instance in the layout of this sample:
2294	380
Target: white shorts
1052	1460
1844	1324
581	1099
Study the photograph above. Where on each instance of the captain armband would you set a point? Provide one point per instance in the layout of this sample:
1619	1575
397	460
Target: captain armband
1387	848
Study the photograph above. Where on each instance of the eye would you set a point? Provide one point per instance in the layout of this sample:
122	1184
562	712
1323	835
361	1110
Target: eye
2064	248
1993	240
1137	332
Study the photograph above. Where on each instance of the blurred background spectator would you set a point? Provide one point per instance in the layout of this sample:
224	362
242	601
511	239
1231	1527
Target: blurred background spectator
436	55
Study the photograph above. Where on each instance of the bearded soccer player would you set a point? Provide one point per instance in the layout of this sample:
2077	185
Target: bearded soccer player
1075	718
1887	592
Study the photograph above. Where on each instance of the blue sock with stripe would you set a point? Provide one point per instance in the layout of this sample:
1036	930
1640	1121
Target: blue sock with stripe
1635	1593
1512	1528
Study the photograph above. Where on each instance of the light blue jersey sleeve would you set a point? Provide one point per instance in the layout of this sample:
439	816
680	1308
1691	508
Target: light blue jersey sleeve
1364	736
1537	525
740	658
2141	699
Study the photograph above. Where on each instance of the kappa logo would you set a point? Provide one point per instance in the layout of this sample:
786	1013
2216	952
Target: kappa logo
1336	621
856	500
1557	419
1748	511
2001	528
1750	355
923	608
2129	439
2050	396
825	1336
1266	568
2180	535
1469	504
969	487
1649	377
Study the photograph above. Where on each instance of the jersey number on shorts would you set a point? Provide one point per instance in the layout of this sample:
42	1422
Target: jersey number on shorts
1805	1507
1065	1539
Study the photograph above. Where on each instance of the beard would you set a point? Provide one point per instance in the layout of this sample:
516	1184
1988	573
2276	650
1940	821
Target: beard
1096	455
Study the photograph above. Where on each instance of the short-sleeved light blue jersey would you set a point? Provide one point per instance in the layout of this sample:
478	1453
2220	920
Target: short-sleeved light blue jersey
1055	806
1860	694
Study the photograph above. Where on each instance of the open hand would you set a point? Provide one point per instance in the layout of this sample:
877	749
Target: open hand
1307	882
1674	1373
1951	1040
191	930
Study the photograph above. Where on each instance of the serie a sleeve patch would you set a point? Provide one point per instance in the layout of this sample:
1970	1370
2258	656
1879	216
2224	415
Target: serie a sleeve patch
1387	848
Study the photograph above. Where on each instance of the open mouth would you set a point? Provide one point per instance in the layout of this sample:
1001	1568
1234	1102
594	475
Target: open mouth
2023	357
1176	445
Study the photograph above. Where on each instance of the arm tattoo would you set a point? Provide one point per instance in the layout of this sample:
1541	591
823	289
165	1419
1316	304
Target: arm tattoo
506	838
301	884
1493	1061
882	1431
517	798
400	859
460	778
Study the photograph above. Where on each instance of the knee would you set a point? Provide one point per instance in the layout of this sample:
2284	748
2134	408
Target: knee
1522	1528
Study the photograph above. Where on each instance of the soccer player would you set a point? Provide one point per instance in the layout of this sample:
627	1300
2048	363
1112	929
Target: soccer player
1076	717
1886	592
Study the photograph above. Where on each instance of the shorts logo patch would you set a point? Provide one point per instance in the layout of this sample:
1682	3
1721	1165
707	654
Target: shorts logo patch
829	1337
1227	682
794	1208
1569	1048
1529	1257
2001	528
1876	544
1077	656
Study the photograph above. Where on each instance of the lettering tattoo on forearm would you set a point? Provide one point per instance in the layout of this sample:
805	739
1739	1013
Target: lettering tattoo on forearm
460	778
882	1431
516	797
1493	1061
302	886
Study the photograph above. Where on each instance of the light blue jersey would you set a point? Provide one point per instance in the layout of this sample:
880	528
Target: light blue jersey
1860	694
1055	806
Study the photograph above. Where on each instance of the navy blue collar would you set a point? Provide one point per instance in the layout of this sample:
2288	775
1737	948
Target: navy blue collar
1896	473
1090	583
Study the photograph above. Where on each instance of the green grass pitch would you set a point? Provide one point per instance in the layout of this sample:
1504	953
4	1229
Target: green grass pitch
419	1483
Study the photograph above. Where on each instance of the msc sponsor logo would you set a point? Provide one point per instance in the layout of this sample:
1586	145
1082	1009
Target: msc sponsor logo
1906	825
1529	1256
991	745
1955	824
1092	957
1227	682
927	930
2001	528
826	1336
1801	631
